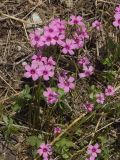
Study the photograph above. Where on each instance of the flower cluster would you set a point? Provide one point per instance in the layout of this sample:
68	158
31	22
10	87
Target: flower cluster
100	98
116	22
93	151
88	69
109	91
40	67
55	34
45	150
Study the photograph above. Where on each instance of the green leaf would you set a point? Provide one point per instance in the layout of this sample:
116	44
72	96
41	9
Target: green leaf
61	92
105	153
33	141
65	156
5	119
91	95
16	107
107	61
103	139
26	93
65	142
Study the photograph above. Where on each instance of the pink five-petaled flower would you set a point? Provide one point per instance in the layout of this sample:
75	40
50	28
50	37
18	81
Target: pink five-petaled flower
57	130
84	61
88	106
110	91
50	62
50	29
93	150
68	46
66	83
58	38
45	150
31	71
51	96
36	38
46	71
75	20
96	24
48	38
88	71
116	23
100	98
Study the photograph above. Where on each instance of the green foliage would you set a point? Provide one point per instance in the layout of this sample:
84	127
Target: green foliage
26	93
105	153
109	75
38	93
92	92
103	140
107	61
34	141
9	126
22	99
63	146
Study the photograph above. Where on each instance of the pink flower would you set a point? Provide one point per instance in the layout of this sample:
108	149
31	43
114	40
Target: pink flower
100	98
78	40
39	58
88	71
48	39
68	46
96	24
51	96
51	29
116	23
110	91
82	32
75	20
93	150
66	83
60	24
88	106
50	62
45	150
46	71
31	71
57	39
57	130
117	9
84	61
36	38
